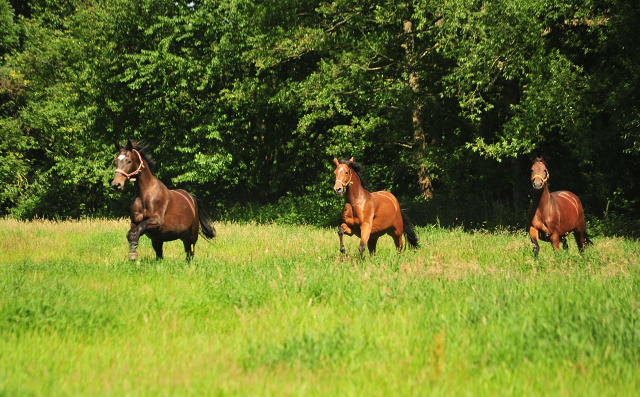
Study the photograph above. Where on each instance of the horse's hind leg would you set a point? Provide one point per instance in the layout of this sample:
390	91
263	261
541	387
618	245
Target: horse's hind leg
398	242
157	246
580	239
190	249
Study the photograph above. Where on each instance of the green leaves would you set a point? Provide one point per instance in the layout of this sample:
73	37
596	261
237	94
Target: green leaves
247	101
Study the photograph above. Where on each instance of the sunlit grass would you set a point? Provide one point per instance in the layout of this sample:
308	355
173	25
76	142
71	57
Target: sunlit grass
277	310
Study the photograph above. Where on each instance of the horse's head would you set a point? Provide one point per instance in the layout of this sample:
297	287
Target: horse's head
344	176
539	173
128	164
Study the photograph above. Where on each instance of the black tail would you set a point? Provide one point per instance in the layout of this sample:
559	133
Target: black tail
587	240
206	224
409	231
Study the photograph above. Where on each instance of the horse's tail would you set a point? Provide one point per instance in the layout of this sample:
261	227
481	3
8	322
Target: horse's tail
409	231
587	239
206	224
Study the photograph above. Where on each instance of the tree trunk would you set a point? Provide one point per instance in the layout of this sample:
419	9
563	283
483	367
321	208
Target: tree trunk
424	179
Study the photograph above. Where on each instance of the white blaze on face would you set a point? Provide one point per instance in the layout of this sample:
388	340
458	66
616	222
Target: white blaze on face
121	157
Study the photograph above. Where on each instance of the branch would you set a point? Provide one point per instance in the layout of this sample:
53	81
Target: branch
428	49
338	24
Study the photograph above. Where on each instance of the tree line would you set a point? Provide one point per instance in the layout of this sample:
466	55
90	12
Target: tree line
247	102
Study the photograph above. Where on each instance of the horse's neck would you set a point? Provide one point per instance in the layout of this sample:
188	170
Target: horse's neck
145	182
355	192
542	200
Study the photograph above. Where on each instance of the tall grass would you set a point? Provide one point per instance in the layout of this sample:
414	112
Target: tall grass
277	310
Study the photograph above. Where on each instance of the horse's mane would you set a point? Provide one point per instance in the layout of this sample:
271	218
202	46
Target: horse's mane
143	148
357	167
539	159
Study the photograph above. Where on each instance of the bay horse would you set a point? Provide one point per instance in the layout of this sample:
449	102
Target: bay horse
160	213
369	215
553	215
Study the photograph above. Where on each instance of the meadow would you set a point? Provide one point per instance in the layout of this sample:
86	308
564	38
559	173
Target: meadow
276	310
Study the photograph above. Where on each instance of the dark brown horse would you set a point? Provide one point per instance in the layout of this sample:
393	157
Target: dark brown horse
160	213
553	215
369	215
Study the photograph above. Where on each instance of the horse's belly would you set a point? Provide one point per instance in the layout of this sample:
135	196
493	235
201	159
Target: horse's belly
163	235
381	227
355	230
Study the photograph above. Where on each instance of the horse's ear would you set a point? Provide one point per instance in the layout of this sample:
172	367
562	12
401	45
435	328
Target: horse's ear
544	158
118	147
129	145
336	162
351	160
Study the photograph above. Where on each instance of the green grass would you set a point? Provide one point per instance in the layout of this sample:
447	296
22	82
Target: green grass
276	310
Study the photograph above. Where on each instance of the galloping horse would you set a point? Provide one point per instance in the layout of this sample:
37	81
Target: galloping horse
552	215
369	215
160	213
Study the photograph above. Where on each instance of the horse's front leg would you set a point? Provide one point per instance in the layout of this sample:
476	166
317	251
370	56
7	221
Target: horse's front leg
371	244
157	246
342	230
365	233
135	232
565	245
533	233
341	234
345	227
133	236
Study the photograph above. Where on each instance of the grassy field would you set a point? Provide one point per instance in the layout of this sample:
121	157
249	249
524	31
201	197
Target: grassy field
276	310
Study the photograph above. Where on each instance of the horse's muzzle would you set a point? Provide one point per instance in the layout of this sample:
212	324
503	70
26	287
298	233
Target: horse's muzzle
537	184
117	185
339	190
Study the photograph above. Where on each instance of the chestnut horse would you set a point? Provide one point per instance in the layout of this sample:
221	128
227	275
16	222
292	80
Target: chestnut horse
369	215
553	215
160	213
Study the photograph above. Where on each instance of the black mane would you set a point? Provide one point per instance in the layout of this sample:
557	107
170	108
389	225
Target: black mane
539	159
357	167
142	148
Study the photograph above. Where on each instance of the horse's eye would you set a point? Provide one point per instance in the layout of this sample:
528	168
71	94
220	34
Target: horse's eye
129	162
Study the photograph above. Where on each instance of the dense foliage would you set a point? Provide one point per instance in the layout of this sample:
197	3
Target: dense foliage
247	102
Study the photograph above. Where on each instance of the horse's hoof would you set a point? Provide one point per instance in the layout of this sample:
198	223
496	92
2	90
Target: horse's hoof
133	256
